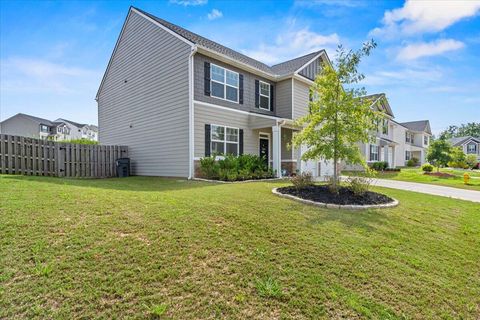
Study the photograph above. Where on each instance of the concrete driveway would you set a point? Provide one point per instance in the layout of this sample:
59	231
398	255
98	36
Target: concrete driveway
469	195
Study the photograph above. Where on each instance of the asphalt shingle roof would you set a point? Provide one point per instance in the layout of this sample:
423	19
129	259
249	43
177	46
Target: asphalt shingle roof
458	141
281	69
36	119
422	125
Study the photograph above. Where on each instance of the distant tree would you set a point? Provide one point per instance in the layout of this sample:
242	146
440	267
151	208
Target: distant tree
439	153
457	158
469	129
339	118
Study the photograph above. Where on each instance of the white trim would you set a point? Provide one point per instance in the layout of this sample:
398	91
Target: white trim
306	64
206	104
191	115
225	84
262	95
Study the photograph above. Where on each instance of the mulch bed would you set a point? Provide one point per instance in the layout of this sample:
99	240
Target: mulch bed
440	174
344	197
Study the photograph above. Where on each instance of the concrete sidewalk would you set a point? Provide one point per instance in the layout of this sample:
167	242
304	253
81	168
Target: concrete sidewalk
469	195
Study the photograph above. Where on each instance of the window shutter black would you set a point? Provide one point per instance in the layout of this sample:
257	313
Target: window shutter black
207	140
310	98
240	89
207	78
257	94
240	142
271	97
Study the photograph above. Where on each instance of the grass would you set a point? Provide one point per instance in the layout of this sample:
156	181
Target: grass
146	247
416	175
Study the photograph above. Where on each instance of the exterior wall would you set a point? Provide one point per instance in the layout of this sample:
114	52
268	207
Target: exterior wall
283	95
301	93
210	115
312	69
248	87
20	126
144	101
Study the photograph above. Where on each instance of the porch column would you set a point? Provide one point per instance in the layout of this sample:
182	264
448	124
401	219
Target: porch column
276	143
385	154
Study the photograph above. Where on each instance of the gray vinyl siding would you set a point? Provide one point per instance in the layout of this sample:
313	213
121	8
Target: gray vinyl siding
300	99
283	95
144	101
20	126
311	70
210	115
248	87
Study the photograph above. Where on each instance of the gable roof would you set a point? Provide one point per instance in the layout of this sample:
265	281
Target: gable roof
76	124
380	96
458	141
419	126
32	118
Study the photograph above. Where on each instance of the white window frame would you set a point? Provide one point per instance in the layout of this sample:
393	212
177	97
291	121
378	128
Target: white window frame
44	126
409	137
377	148
224	83
474	145
225	138
425	140
262	95
408	155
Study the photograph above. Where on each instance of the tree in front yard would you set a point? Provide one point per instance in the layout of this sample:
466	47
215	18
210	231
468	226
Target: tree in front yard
339	118
458	158
439	153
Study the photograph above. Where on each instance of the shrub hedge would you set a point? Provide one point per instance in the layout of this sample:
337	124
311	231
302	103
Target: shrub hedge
235	168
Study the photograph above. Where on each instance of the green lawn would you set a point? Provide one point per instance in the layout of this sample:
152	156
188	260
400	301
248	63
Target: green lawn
130	248
416	175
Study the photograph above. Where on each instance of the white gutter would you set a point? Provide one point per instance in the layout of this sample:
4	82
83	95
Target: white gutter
191	118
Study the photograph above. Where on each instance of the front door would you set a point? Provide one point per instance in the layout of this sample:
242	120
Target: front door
264	149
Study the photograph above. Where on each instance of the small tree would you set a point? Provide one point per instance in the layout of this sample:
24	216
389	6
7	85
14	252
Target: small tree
439	153
471	160
339	117
457	158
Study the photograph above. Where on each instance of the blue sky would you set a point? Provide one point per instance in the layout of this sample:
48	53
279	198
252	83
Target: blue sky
53	54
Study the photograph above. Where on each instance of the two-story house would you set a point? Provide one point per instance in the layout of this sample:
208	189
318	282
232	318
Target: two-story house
395	142
469	145
59	130
173	97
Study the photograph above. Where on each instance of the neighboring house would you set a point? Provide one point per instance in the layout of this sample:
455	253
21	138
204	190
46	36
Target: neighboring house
469	145
29	126
396	143
173	97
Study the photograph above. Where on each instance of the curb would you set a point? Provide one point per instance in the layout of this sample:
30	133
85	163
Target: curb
392	204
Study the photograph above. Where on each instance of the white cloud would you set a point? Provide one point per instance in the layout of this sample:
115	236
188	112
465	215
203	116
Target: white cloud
403	77
187	3
214	14
427	49
291	44
34	75
425	16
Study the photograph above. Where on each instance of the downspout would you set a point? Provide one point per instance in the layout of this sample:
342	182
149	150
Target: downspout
191	118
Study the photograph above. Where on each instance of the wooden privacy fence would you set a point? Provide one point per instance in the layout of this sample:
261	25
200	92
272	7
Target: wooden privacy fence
36	157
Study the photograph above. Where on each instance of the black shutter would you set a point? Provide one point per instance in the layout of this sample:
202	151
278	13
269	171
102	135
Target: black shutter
240	89
240	142
310	99
257	94
207	140
271	97
206	78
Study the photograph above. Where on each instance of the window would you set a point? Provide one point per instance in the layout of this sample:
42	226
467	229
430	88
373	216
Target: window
409	137
385	126
408	155
471	148
44	128
224	83
425	140
59	129
264	95
373	152
224	140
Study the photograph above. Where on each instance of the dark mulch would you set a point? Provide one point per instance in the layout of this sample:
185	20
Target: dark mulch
344	197
440	174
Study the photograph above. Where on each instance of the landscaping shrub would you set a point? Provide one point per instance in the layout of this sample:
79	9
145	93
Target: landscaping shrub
302	180
379	165
80	141
471	161
427	167
235	168
413	162
360	184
